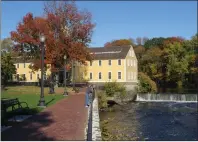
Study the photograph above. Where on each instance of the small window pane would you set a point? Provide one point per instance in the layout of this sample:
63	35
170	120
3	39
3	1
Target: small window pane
109	62
90	76
100	75
119	75
109	75
90	63
100	62
119	62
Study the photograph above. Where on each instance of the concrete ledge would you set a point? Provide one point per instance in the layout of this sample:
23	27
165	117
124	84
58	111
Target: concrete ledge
96	132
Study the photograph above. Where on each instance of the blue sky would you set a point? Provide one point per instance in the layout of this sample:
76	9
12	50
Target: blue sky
116	19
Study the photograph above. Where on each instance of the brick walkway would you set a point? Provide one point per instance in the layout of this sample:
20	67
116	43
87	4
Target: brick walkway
65	120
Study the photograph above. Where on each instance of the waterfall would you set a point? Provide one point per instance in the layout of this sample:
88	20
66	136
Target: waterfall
167	97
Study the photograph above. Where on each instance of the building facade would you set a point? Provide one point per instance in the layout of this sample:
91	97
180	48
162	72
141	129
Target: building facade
110	64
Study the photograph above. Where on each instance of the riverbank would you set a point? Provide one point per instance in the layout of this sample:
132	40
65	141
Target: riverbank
150	121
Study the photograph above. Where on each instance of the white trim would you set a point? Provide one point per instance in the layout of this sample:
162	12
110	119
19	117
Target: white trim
92	75
108	75
121	75
108	62
120	62
98	76
99	63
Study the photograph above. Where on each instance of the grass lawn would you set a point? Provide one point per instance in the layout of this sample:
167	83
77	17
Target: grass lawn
31	95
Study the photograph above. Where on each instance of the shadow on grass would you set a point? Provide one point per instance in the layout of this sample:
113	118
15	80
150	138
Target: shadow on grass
29	129
50	101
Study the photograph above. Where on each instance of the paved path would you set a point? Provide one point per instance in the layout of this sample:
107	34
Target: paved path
66	120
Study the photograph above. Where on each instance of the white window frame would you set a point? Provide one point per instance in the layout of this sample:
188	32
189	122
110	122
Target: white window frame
120	75
120	62
99	75
108	75
90	75
109	62
99	62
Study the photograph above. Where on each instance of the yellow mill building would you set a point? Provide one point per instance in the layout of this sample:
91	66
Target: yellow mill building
117	63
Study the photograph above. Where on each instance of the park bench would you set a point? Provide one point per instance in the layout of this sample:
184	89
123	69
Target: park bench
15	104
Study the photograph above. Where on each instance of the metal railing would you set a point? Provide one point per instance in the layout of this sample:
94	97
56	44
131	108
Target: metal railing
89	130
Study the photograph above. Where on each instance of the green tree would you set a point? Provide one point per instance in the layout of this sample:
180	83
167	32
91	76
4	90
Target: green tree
6	45
178	59
7	68
154	42
146	84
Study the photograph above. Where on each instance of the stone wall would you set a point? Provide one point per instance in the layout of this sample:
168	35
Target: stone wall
96	132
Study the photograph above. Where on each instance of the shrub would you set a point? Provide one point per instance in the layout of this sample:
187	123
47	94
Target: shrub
112	87
146	84
102	99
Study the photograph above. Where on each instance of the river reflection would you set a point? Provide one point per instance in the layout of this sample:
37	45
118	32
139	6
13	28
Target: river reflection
155	121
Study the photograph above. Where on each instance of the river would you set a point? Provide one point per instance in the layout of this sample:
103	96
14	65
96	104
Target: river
153	121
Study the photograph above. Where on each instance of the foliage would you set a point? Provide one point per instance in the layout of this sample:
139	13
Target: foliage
6	45
7	68
119	42
112	87
154	42
67	30
102	99
146	84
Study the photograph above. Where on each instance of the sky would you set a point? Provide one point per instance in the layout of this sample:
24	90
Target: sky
116	19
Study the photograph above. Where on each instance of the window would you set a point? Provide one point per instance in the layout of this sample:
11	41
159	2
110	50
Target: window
109	62
17	65
119	75
24	65
38	76
131	62
128	62
23	77
119	62
17	77
109	75
30	76
100	62
134	63
90	63
100	75
90	75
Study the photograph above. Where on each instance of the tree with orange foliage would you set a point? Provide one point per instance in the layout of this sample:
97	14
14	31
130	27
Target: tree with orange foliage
67	30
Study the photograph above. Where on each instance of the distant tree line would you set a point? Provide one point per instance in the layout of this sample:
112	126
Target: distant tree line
170	62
